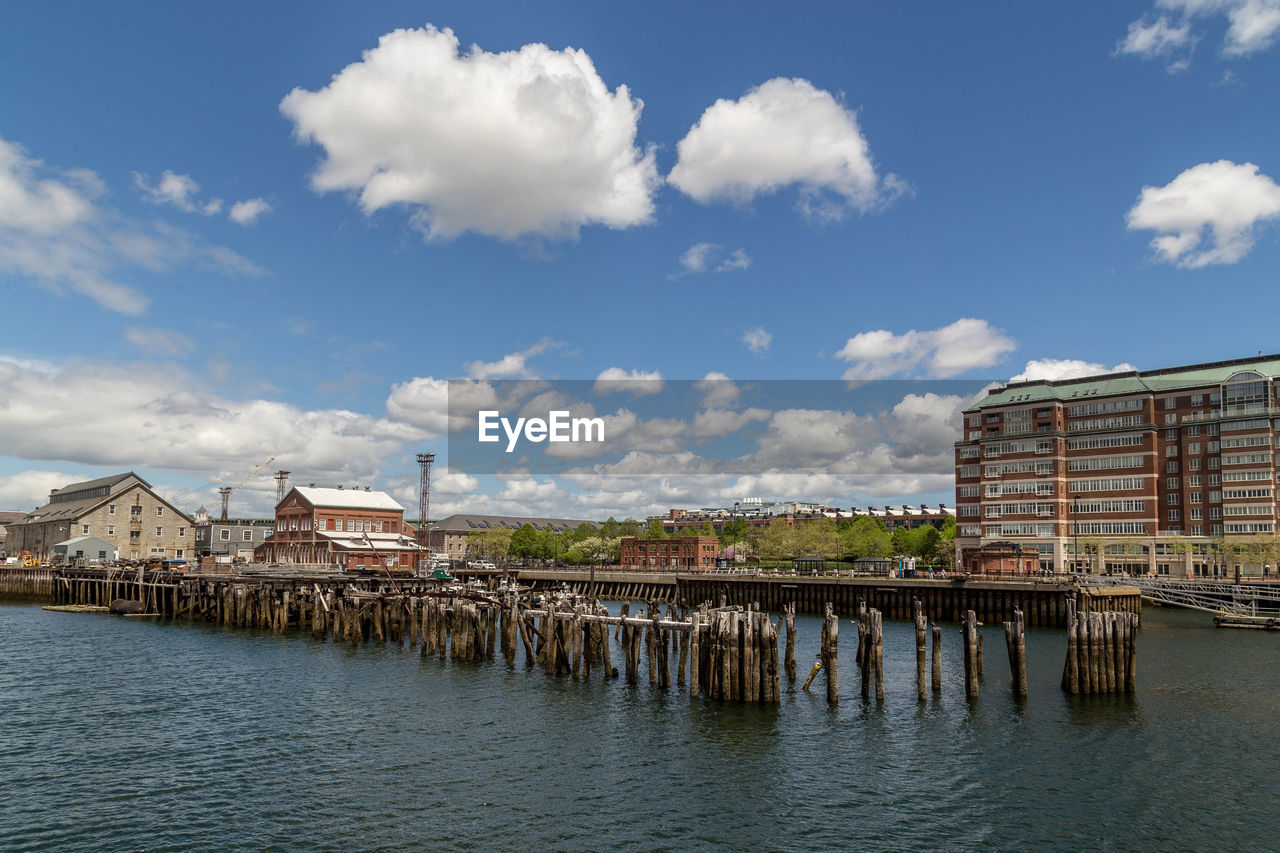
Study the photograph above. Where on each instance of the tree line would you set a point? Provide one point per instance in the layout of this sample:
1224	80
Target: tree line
865	536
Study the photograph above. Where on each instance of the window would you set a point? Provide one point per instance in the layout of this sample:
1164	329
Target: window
179	553
111	530
1194	481
351	525
1171	450
1171	467
224	535
246	535
1193	447
159	531
1196	530
182	531
1193	464
1196	513
1193	430
111	509
84	529
1173	499
1170	402
1175	515
1171	483
1195	497
159	512
1197	399
1171	418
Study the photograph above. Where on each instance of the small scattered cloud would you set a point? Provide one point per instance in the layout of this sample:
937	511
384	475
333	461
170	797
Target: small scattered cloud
784	133
162	342
511	366
177	190
966	344
524	142
247	212
1168	33
56	231
1065	368
757	340
738	260
710	257
636	382
1207	214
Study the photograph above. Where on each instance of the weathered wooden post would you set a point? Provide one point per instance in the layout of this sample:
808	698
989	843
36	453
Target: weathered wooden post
970	655
921	649
830	659
790	611
937	658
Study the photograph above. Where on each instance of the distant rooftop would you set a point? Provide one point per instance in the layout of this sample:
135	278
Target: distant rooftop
1128	382
347	498
466	523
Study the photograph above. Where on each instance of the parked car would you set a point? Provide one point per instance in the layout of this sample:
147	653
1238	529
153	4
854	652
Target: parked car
482	565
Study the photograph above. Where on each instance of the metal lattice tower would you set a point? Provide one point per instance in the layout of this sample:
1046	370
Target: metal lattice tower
282	479
225	492
424	497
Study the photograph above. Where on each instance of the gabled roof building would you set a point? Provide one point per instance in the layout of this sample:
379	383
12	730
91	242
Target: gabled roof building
349	528
121	510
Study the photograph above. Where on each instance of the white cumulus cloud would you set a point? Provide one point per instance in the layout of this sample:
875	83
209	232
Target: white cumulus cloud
1217	204
786	132
177	190
56	231
1065	368
526	142
966	344
636	382
704	257
1252	26
247	212
757	339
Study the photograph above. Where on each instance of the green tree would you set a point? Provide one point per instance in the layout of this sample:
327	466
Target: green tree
610	529
819	538
630	527
778	541
524	542
866	537
490	544
654	530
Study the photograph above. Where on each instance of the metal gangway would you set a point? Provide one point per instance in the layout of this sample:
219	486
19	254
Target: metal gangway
1217	597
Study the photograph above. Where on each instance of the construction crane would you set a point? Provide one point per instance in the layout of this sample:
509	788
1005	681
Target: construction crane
226	491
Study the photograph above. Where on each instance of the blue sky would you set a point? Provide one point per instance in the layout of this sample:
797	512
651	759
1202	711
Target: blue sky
201	269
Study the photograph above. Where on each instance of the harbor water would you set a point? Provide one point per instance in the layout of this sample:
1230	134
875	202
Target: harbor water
137	734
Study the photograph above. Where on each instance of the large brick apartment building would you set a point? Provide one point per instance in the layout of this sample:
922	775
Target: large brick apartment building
350	528
1147	472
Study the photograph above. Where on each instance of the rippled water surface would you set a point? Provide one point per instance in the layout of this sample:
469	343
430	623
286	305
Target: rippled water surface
134	734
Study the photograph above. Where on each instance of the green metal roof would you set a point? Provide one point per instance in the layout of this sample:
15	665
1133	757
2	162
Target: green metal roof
1132	382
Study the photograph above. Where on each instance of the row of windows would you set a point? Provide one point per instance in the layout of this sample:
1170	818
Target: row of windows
1110	484
1248	509
1247	476
1249	441
968	453
1024	467
1022	508
1128	505
1251	527
1105	528
1019	530
1027	446
1019	487
111	530
1247	459
1105	408
224	535
1099	441
968	471
968	491
1247	493
1107	423
1250	423
135	510
1102	463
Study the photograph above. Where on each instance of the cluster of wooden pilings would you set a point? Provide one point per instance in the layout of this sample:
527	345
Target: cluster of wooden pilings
1101	653
727	652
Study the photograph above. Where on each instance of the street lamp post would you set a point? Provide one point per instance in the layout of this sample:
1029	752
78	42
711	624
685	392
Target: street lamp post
1075	529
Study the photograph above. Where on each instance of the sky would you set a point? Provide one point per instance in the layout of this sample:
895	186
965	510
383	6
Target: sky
239	232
